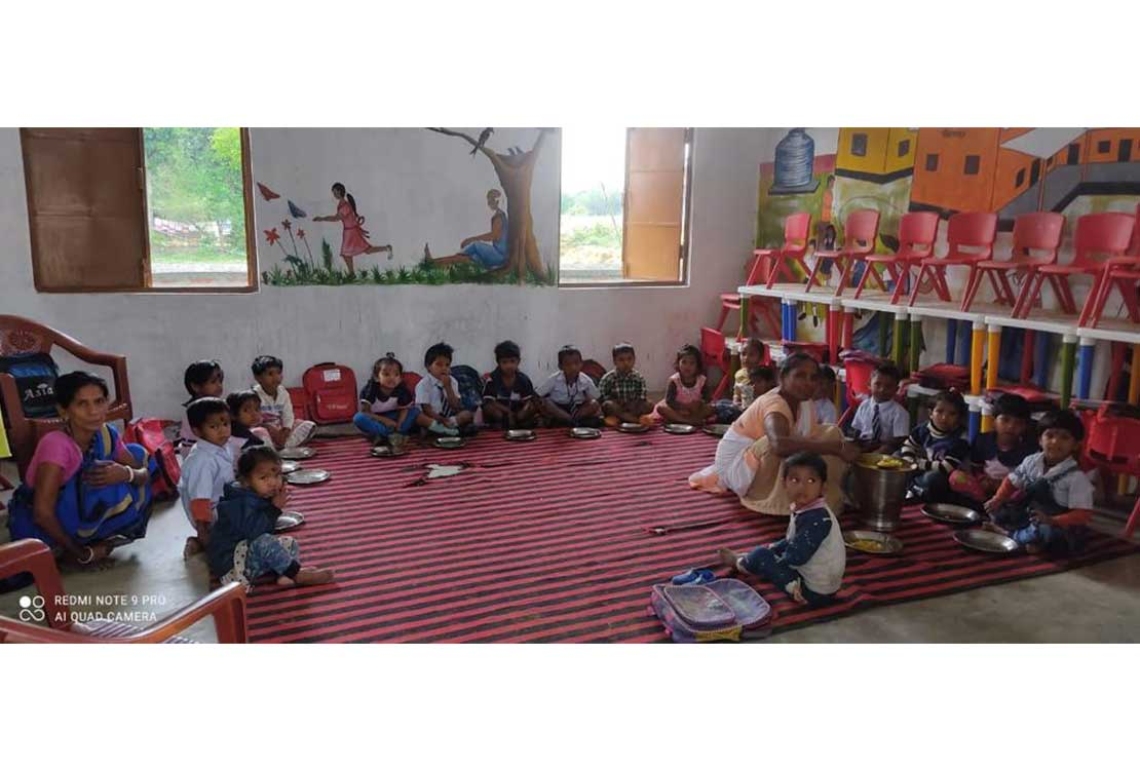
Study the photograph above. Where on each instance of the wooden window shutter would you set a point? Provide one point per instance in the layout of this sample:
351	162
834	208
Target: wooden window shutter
654	203
86	208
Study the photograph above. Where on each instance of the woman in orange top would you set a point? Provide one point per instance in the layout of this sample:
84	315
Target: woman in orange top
777	424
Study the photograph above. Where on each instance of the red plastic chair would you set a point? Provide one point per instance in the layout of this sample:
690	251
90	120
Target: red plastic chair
716	355
857	376
1122	274
1099	239
970	235
917	233
1036	239
411	380
779	261
859	234
757	306
1112	445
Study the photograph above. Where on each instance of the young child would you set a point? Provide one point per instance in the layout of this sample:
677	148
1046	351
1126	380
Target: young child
687	395
625	396
824	403
245	423
881	424
809	562
1046	503
242	545
938	448
437	395
206	470
387	408
203	379
569	396
276	405
743	391
993	455
509	400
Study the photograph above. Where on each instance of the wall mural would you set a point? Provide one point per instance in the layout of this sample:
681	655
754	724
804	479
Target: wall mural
1011	171
507	252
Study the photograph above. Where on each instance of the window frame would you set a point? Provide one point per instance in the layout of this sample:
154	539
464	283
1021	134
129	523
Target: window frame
932	161
903	148
859	144
977	164
252	275
684	247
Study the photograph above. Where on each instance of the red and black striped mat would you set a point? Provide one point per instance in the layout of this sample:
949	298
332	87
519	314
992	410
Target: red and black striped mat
549	541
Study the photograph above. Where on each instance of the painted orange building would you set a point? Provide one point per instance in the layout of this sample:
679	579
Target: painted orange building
875	154
954	168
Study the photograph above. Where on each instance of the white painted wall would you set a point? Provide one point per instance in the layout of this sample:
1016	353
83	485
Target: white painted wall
353	325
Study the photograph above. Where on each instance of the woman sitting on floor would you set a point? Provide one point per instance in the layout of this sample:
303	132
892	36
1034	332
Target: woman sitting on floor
777	425
85	491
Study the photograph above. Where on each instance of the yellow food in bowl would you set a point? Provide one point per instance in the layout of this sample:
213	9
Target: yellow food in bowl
890	463
868	545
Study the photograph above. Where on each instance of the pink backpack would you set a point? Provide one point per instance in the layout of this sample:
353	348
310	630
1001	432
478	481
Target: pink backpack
721	611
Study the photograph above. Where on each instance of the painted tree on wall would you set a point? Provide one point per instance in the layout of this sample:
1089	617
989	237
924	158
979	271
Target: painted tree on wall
515	171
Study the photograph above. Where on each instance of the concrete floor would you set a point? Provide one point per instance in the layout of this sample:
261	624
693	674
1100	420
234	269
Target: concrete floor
1100	603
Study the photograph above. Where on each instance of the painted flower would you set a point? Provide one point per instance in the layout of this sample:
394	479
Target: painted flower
272	236
300	233
287	225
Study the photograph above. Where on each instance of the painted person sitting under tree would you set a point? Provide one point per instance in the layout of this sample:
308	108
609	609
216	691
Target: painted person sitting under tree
488	250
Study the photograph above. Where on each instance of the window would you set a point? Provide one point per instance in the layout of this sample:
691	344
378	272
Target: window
625	202
931	161
973	165
1104	147
1017	183
904	148
859	145
1074	155
1034	172
129	209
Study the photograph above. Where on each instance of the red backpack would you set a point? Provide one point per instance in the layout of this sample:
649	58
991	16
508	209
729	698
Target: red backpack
332	393
150	433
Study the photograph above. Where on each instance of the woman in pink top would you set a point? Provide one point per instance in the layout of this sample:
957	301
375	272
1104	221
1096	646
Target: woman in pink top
355	238
85	491
778	424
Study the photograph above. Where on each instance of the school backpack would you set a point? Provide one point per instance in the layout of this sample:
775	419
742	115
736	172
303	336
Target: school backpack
300	401
468	386
332	393
150	434
721	611
35	375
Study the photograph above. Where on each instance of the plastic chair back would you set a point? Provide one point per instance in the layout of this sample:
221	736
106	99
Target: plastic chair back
917	233
1100	237
860	231
971	234
1037	237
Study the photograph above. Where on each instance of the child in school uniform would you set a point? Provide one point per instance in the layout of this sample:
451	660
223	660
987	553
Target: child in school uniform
687	394
276	406
1046	503
937	448
881	424
437	395
207	469
387	408
245	423
824	403
808	564
243	546
569	396
202	379
509	400
995	454
625	396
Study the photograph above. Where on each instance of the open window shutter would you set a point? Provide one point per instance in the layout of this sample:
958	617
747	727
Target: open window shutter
86	208
654	204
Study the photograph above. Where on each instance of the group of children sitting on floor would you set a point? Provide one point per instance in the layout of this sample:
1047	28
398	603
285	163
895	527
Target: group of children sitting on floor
1025	477
233	489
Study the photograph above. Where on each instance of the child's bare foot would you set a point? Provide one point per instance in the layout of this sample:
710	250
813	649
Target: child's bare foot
612	421
647	419
796	590
312	576
193	547
729	559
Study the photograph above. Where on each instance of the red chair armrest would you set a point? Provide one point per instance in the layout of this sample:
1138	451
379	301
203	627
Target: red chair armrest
35	557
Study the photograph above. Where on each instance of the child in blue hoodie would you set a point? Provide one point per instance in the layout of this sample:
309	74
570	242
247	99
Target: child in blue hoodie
242	545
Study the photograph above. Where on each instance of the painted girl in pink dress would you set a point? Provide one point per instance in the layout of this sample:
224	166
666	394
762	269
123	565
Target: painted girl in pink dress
355	240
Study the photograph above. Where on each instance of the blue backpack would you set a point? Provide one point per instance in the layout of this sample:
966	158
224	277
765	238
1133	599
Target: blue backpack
35	375
468	386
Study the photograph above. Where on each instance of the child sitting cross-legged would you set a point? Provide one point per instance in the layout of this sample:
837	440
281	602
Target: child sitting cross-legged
809	563
625	396
243	546
995	454
1046	503
569	396
276	406
202	379
938	448
744	390
437	394
687	395
509	400
881	424
387	408
245	423
206	470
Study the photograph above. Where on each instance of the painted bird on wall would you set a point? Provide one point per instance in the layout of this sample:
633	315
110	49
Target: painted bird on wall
266	192
484	135
296	211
